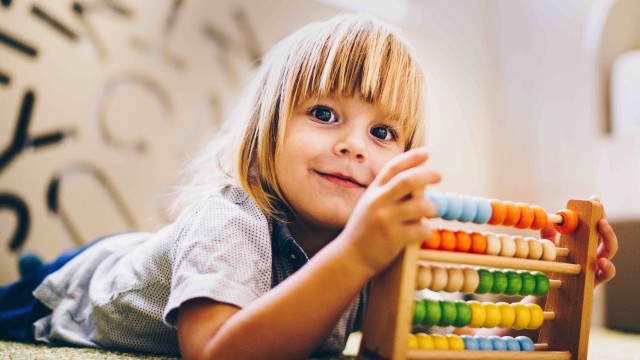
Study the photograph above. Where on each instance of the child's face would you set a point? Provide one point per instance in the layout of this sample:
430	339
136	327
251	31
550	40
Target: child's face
333	149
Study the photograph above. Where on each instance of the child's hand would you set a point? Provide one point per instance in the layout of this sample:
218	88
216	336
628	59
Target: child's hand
607	246
392	211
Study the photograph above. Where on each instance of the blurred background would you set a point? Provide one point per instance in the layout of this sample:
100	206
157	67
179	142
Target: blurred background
102	103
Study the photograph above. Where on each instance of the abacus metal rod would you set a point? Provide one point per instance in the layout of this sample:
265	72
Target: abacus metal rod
498	261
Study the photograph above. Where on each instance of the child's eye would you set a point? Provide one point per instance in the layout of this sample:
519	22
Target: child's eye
324	114
383	133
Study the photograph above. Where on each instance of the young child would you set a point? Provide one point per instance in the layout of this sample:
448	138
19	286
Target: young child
313	187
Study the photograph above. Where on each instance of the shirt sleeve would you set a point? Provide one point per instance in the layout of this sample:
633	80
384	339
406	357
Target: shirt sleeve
222	252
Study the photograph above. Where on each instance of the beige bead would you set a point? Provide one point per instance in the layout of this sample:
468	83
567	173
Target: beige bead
508	245
494	245
535	248
522	248
423	277
456	279
439	278
548	250
471	280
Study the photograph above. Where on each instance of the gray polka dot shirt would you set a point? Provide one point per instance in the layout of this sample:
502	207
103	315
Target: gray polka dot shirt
123	292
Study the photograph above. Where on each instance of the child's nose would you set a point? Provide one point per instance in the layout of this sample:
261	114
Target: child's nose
353	147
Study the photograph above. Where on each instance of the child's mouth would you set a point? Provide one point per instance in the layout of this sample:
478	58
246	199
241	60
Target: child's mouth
342	180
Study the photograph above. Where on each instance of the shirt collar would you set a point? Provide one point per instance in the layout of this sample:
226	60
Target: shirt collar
285	245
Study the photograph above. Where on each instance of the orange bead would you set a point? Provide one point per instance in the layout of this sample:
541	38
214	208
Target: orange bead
447	240
463	243
539	217
498	212
478	243
433	242
526	216
569	223
513	213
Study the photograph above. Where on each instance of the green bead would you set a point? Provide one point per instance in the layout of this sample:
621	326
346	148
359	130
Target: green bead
432	314
528	283
449	313
514	283
419	312
542	284
463	317
486	281
499	282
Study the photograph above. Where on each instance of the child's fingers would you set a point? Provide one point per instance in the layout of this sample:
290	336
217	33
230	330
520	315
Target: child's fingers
605	271
609	246
597	199
414	209
549	232
418	230
409	182
402	162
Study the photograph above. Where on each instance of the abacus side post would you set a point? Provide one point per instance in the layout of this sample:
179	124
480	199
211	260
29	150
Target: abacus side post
389	312
572	304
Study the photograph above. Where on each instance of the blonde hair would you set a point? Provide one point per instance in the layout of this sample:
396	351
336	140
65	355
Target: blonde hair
346	55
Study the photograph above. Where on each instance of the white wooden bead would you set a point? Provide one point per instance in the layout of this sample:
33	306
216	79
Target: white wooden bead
471	280
508	246
439	278
548	250
456	279
535	248
522	248
423	277
494	245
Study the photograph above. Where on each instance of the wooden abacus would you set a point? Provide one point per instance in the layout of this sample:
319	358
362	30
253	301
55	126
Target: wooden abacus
564	334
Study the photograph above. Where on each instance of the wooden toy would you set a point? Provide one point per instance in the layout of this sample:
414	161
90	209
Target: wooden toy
473	262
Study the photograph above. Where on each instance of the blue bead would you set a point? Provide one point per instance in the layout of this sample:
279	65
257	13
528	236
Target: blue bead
484	343
439	200
512	344
526	344
469	209
470	343
454	207
484	211
498	343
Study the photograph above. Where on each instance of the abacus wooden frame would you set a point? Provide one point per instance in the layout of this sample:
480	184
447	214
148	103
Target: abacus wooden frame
388	318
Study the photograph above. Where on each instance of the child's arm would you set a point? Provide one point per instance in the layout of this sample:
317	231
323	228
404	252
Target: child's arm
292	319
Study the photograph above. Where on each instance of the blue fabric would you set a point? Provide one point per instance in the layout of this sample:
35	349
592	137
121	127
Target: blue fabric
19	309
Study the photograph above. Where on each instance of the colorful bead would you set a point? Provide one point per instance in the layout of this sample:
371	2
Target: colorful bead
507	315
493	315
526	216
498	212
419	312
449	313
537	316
470	342
526	344
432	312
528	283
478	243
484	343
500	282
512	343
513	213
486	281
569	221
523	316
412	342
455	342
478	314
485	210
425	342
471	280
440	342
463	241
463	314
439	277
423	277
514	283
454	207
439	200
432	242
540	218
542	284
499	344
447	240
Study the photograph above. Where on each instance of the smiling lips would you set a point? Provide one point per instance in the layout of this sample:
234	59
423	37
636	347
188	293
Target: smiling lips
340	179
